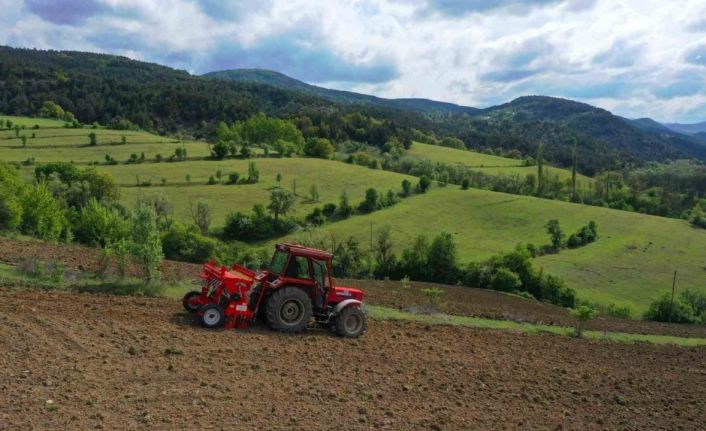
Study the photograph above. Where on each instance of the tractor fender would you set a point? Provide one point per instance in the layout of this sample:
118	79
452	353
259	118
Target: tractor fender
343	304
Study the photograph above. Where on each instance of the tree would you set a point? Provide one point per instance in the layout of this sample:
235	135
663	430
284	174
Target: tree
314	193
540	169
123	140
24	140
11	191
414	261
406	188
233	177
385	259
371	202
92	139
698	217
582	314
220	150
318	147
50	109
42	214
201	216
281	201
279	179
424	183
97	225
344	207
146	246
556	234
253	173
348	258
442	259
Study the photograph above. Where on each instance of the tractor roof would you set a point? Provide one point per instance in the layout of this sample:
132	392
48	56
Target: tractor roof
304	251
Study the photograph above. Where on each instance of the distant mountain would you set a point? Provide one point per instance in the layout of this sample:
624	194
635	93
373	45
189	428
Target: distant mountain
687	129
629	139
649	125
282	81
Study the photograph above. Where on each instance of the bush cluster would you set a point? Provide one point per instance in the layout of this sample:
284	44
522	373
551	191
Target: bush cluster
689	307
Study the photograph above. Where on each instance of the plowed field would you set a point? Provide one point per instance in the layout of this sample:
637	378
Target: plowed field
80	361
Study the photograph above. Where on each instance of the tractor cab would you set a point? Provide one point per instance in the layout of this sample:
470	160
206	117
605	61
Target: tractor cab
311	270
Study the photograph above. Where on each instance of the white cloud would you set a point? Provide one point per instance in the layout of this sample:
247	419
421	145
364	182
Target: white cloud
628	56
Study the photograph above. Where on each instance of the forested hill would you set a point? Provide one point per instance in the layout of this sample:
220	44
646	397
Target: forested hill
103	88
279	80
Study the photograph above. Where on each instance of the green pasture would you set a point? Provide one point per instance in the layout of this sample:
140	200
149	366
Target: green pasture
631	263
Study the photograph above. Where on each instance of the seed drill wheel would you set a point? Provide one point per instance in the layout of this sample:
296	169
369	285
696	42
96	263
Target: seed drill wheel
191	302
351	322
213	316
288	310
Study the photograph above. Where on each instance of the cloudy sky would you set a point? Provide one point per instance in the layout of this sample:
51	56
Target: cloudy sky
634	57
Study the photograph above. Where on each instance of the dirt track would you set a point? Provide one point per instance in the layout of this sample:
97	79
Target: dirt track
133	363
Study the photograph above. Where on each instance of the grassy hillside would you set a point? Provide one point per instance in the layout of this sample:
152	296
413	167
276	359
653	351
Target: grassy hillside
486	163
631	263
330	178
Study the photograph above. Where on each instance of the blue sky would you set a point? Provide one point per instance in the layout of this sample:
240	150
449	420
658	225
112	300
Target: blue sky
635	58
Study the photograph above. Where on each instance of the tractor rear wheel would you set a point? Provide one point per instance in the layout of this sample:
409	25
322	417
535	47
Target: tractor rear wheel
351	322
288	310
190	301
213	316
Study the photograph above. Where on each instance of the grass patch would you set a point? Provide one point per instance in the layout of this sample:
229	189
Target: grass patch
385	313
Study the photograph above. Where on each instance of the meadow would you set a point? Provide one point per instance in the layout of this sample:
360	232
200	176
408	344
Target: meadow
632	262
329	177
486	163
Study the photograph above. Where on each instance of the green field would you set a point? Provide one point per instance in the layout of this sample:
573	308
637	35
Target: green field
631	263
30	122
488	164
440	154
329	177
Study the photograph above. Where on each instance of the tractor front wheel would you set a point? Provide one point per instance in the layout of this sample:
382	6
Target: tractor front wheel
351	322
191	301
288	310
213	316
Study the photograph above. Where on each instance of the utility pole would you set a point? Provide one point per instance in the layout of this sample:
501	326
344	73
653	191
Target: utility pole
370	253
671	303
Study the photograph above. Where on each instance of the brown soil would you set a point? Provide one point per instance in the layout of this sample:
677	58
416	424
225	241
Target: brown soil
134	363
455	300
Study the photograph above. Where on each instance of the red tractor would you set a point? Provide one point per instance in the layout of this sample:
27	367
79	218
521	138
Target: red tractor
296	287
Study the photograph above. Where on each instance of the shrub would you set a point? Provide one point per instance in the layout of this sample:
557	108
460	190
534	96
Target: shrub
11	186
220	150
233	178
329	210
505	280
345	210
42	214
318	147
697	301
662	308
92	139
186	244
211	180
316	217
406	188
582	314
97	225
146	246
424	183
556	234
253	173
433	294
621	312
370	203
